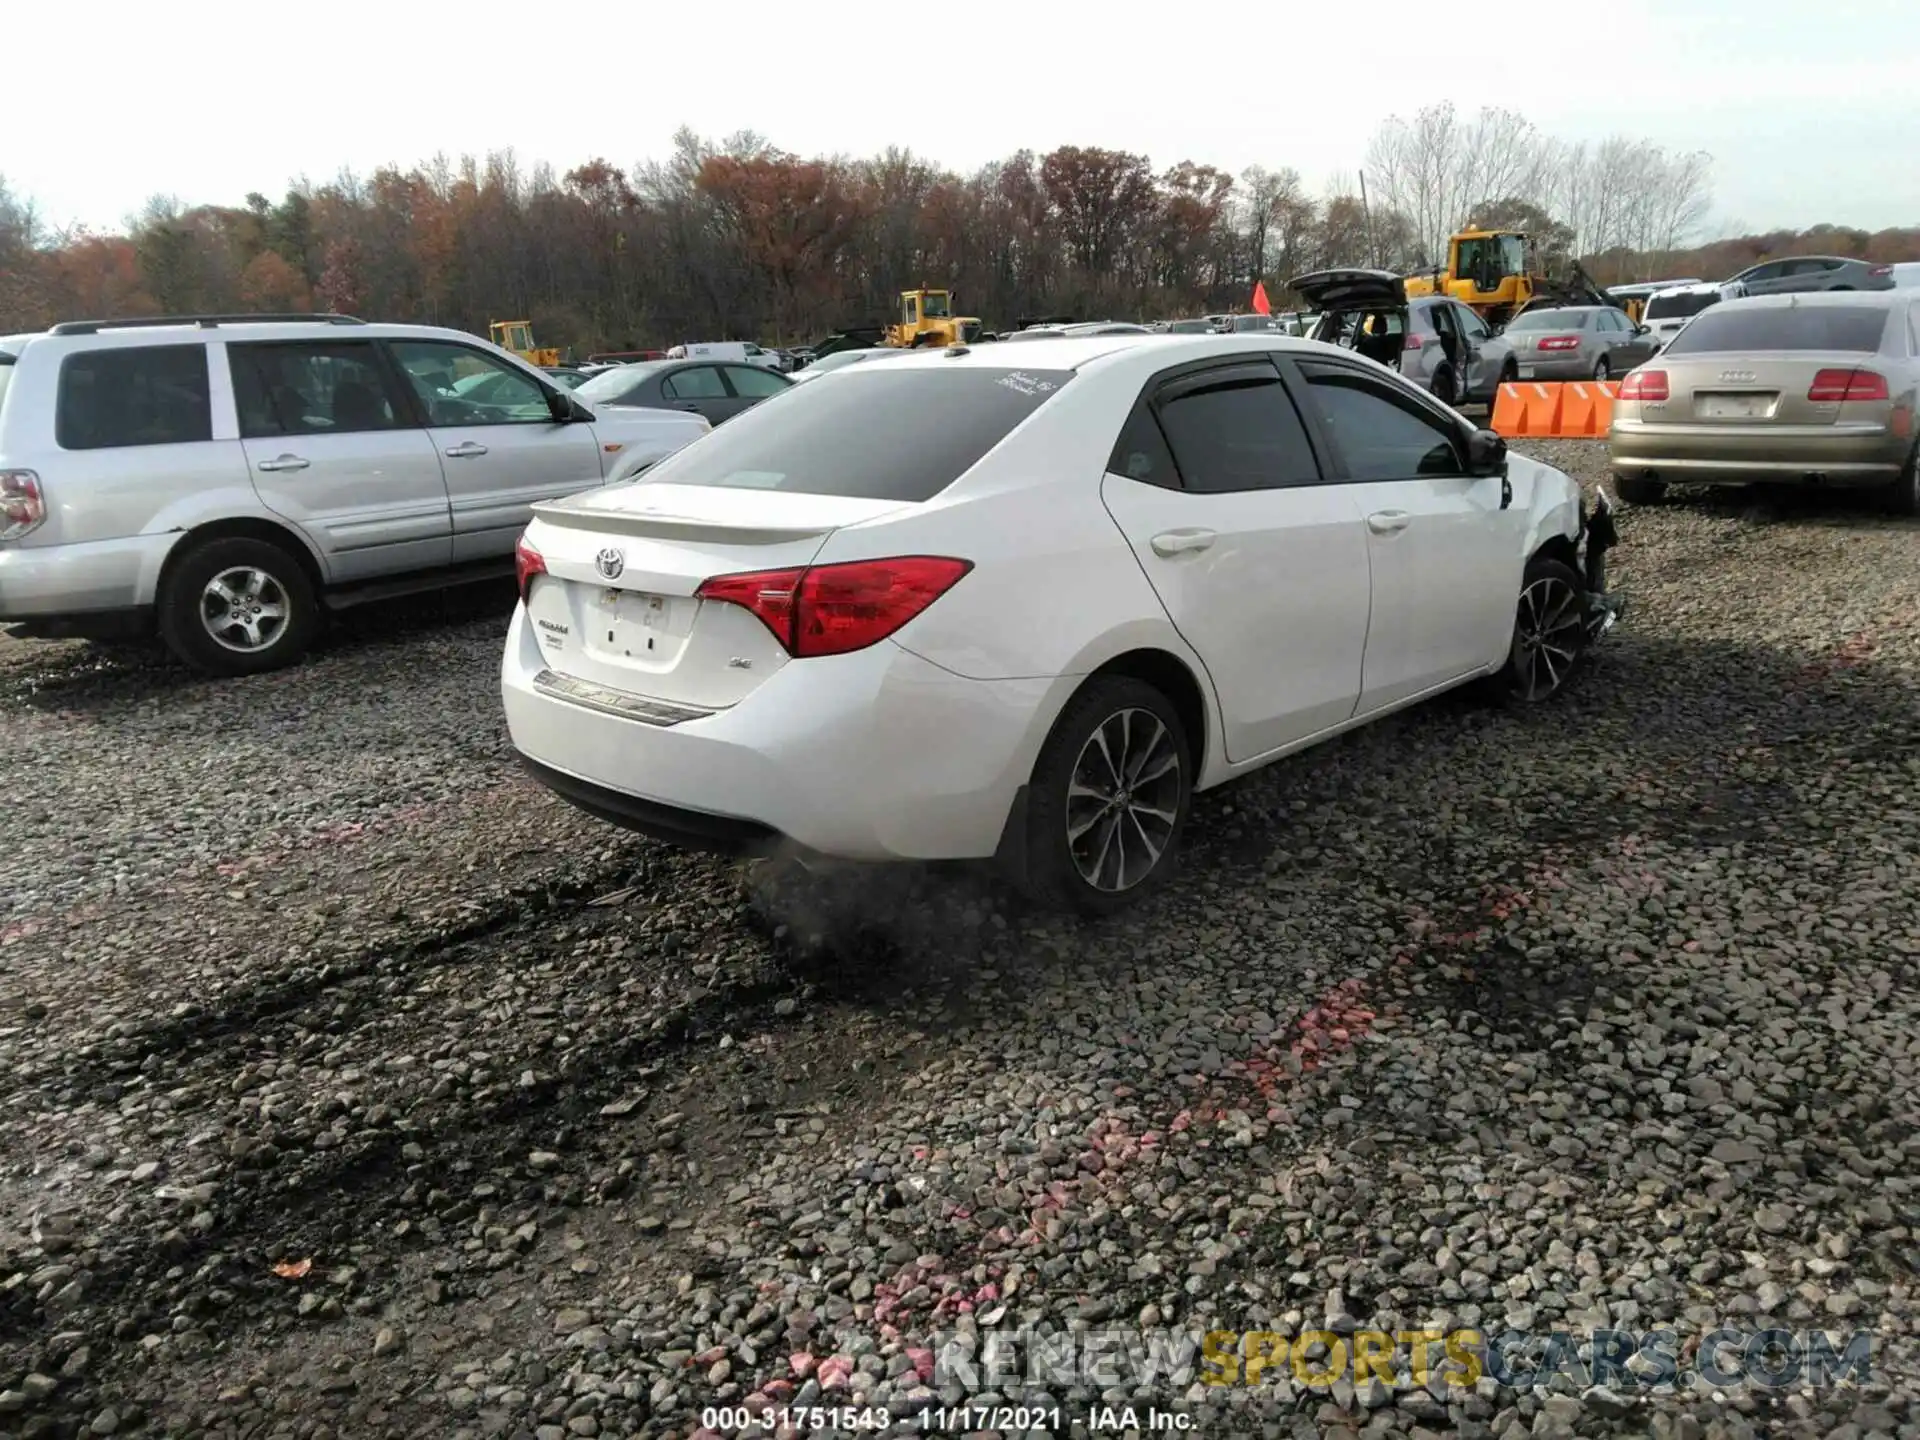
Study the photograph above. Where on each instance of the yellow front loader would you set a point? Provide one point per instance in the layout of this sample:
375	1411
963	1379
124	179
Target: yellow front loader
517	336
927	318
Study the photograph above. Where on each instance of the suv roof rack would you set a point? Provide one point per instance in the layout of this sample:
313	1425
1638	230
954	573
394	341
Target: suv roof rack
204	322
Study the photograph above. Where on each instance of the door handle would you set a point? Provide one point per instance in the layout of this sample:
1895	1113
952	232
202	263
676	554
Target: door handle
1182	542
466	450
1387	522
284	462
690	407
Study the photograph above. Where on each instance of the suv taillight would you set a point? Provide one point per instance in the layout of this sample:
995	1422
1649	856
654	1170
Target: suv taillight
527	563
23	508
1644	385
834	609
1832	385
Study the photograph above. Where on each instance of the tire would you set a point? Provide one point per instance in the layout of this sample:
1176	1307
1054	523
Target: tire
1637	491
254	571
1602	371
1903	496
1549	621
1057	870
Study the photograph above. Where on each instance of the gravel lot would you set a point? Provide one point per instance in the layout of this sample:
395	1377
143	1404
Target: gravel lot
1603	1013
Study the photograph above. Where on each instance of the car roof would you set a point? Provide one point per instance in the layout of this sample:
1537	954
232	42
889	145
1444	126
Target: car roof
189	331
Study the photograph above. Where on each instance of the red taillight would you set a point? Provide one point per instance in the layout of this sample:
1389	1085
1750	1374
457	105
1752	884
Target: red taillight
833	609
23	508
1644	385
1876	271
1560	342
1830	386
527	563
1413	342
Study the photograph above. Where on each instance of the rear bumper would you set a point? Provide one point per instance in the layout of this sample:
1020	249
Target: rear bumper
1709	454
48	582
877	755
1557	368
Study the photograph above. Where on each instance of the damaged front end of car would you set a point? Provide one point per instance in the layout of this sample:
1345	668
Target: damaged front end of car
1599	533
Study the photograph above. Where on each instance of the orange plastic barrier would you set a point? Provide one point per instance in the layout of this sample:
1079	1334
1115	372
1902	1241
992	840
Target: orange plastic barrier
1562	410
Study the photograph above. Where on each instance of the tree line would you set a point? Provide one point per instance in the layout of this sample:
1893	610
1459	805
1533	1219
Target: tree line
738	239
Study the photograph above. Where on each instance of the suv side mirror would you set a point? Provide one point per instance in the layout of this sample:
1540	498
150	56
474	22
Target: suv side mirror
1486	453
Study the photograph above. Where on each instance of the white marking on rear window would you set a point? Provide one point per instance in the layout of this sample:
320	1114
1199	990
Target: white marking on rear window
1025	384
755	479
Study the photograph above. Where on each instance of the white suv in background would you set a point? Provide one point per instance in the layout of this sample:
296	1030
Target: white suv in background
221	481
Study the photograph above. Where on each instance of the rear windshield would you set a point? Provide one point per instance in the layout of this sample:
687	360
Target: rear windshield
1679	307
610	384
1551	320
888	433
1803	327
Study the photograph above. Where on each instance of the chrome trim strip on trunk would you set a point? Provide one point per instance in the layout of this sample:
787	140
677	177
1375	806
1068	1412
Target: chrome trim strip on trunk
615	702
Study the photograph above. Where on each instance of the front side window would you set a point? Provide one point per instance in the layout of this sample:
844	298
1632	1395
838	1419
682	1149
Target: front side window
493	393
306	389
936	307
134	395
1237	432
1380	435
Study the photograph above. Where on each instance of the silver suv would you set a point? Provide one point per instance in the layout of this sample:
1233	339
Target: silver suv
225	480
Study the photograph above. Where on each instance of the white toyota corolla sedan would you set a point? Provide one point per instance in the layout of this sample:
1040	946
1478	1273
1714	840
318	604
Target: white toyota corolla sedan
992	603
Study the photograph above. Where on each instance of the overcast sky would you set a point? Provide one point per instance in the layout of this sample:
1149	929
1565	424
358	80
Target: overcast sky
109	102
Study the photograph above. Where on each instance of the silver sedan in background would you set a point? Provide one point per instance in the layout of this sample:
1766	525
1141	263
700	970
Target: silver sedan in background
1578	342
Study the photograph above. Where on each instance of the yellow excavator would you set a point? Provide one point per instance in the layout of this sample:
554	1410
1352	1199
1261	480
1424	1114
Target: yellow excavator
927	318
517	336
1498	274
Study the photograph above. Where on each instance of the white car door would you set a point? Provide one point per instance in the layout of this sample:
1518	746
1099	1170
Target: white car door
1261	567
500	447
333	446
1445	547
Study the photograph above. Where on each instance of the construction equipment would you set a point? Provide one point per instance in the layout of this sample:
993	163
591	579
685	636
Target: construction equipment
1500	273
927	318
1569	410
517	336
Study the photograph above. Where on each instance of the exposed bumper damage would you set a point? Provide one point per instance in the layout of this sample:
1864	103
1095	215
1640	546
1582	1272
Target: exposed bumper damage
1599	533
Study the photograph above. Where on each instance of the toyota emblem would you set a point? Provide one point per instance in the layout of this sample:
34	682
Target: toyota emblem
610	563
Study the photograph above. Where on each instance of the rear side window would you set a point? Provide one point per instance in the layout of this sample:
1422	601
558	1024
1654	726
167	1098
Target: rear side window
878	433
312	390
134	395
1141	453
1239	432
1802	327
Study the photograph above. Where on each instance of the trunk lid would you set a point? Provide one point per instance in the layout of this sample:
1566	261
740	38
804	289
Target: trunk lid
617	606
1350	289
1746	389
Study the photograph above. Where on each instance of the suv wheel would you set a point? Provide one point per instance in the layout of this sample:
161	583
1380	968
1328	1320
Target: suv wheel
237	606
1108	800
1602	370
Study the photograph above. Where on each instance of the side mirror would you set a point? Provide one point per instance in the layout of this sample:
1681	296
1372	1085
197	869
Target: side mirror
1643	329
1486	453
565	409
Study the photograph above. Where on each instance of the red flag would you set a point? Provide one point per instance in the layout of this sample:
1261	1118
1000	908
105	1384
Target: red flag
1260	305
